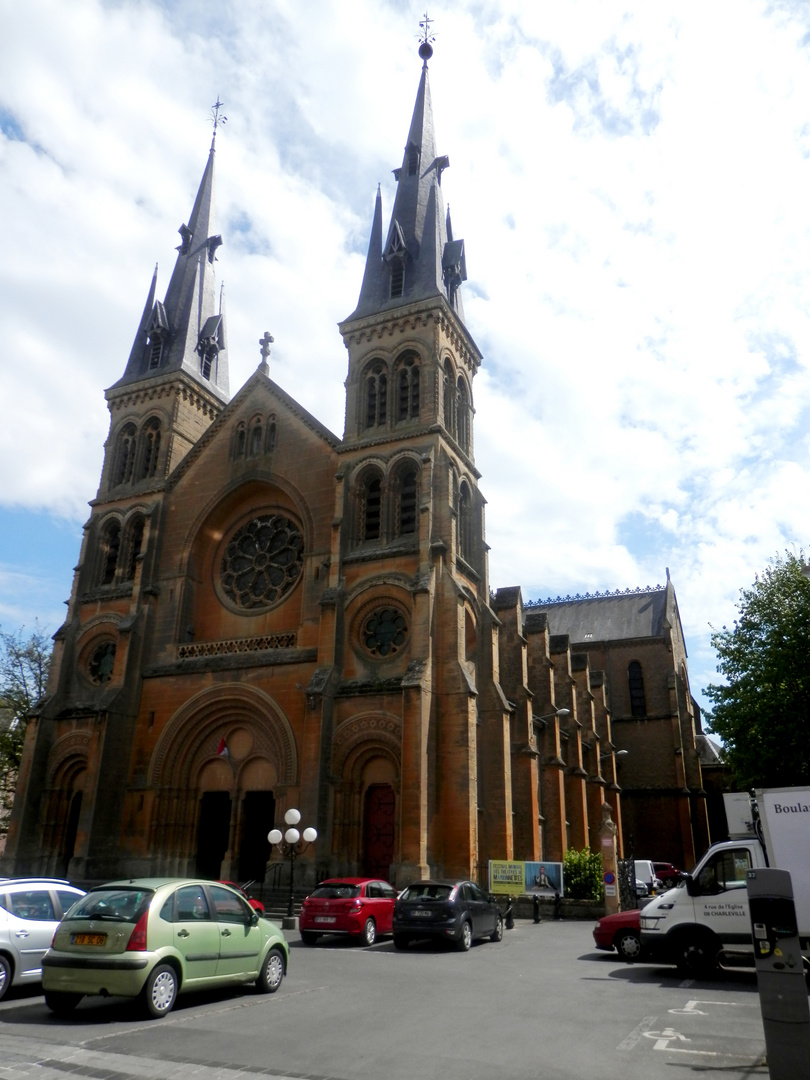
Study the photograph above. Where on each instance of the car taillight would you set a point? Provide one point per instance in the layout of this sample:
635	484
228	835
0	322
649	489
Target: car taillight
356	905
137	939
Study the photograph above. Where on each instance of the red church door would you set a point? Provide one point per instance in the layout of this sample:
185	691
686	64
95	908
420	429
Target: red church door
378	831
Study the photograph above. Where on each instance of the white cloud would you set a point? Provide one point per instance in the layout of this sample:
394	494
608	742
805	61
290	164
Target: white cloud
630	180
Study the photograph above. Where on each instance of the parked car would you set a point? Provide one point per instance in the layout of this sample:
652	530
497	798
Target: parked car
152	938
360	907
669	875
641	888
30	910
257	905
457	911
621	932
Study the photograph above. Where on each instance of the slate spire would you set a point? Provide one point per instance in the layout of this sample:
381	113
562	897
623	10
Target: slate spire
186	332
417	259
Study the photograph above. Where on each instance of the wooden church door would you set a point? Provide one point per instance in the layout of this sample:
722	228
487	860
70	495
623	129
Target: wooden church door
378	830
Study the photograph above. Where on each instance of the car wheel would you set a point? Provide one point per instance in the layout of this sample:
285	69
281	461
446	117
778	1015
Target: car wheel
272	972
497	933
465	938
696	955
61	1002
5	975
400	941
160	992
308	937
628	945
369	935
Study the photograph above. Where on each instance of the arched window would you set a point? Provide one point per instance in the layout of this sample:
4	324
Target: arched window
134	542
408	388
465	532
407	491
413	159
150	447
463	406
125	456
256	438
450	393
376	387
370	508
239	441
110	546
635	681
271	433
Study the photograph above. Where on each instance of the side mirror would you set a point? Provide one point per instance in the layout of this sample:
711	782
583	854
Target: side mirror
691	884
254	919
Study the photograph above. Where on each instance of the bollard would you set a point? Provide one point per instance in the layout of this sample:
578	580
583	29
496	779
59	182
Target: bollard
557	906
510	922
536	908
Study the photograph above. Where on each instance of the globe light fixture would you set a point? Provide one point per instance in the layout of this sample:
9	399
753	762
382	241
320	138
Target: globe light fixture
291	844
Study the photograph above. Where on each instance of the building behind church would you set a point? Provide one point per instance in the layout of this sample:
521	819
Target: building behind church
265	615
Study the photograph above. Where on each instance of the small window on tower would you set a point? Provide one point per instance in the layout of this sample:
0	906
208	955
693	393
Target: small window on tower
110	546
150	447
413	160
376	386
397	278
406	507
125	460
155	349
370	508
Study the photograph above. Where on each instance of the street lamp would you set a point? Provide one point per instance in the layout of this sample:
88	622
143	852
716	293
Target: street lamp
541	720
292	843
613	753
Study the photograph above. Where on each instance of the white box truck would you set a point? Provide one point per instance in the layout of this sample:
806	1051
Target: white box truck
704	921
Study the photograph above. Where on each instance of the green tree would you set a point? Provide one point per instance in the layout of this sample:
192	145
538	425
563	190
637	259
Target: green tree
24	664
582	874
762	711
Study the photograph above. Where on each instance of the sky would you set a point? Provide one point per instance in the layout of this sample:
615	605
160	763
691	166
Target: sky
630	179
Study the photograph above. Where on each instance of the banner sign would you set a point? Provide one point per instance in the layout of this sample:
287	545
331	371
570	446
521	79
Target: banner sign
541	878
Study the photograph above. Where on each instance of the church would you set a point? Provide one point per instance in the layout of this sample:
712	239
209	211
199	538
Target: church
267	616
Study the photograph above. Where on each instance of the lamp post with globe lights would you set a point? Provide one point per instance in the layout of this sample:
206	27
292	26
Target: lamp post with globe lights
291	844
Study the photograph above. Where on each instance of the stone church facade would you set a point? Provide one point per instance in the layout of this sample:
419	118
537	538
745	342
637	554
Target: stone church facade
265	615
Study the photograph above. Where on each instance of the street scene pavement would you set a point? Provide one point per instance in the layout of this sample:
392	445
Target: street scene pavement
542	1003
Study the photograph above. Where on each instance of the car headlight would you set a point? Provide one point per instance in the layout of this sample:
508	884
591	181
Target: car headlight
649	923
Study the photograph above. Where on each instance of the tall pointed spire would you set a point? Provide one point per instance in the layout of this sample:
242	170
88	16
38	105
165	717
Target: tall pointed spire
186	332
417	261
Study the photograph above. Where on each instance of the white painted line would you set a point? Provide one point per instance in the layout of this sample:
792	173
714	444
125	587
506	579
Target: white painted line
637	1034
691	1007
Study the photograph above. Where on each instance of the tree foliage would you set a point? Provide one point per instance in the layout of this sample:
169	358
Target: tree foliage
762	711
582	872
24	664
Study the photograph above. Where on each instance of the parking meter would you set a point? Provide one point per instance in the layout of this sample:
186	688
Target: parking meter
780	972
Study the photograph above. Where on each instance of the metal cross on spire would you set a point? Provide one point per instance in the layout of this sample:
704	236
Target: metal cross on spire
219	121
265	343
425	46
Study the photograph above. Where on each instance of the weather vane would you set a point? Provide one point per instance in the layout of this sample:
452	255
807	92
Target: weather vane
219	121
425	46
427	38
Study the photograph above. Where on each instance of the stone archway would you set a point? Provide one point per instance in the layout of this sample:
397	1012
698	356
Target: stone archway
214	772
366	758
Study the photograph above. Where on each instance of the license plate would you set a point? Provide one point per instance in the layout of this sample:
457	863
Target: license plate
88	939
325	919
421	914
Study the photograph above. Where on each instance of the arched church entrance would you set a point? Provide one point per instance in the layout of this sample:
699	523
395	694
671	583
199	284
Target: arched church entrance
216	771
379	806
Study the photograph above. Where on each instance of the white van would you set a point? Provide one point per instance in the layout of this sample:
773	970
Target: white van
645	872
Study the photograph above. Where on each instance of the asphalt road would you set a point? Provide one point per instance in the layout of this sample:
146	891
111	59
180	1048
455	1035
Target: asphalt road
543	1003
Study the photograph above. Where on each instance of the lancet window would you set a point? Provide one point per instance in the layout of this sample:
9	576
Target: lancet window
370	523
376	391
635	681
150	448
450	395
125	456
134	542
465	520
408	387
110	547
406	500
463	415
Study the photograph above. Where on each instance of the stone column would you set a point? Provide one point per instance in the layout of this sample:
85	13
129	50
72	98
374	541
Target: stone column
607	843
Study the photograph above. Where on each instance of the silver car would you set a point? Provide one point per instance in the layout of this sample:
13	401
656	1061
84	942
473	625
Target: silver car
30	911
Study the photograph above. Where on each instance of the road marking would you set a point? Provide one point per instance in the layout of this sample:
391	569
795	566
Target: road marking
665	1037
637	1034
691	1007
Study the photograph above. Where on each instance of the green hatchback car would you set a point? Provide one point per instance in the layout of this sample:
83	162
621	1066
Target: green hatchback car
154	938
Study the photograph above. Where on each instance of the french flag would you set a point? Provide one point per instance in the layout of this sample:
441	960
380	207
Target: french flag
222	749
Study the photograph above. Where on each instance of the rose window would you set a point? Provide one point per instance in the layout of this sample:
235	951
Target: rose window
262	562
101	664
385	631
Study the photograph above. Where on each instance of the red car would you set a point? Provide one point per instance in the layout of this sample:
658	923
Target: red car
257	905
621	932
358	906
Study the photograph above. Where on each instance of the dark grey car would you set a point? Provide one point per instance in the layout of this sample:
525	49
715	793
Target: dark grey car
455	911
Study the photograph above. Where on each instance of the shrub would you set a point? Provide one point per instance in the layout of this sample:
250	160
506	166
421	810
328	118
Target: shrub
583	875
